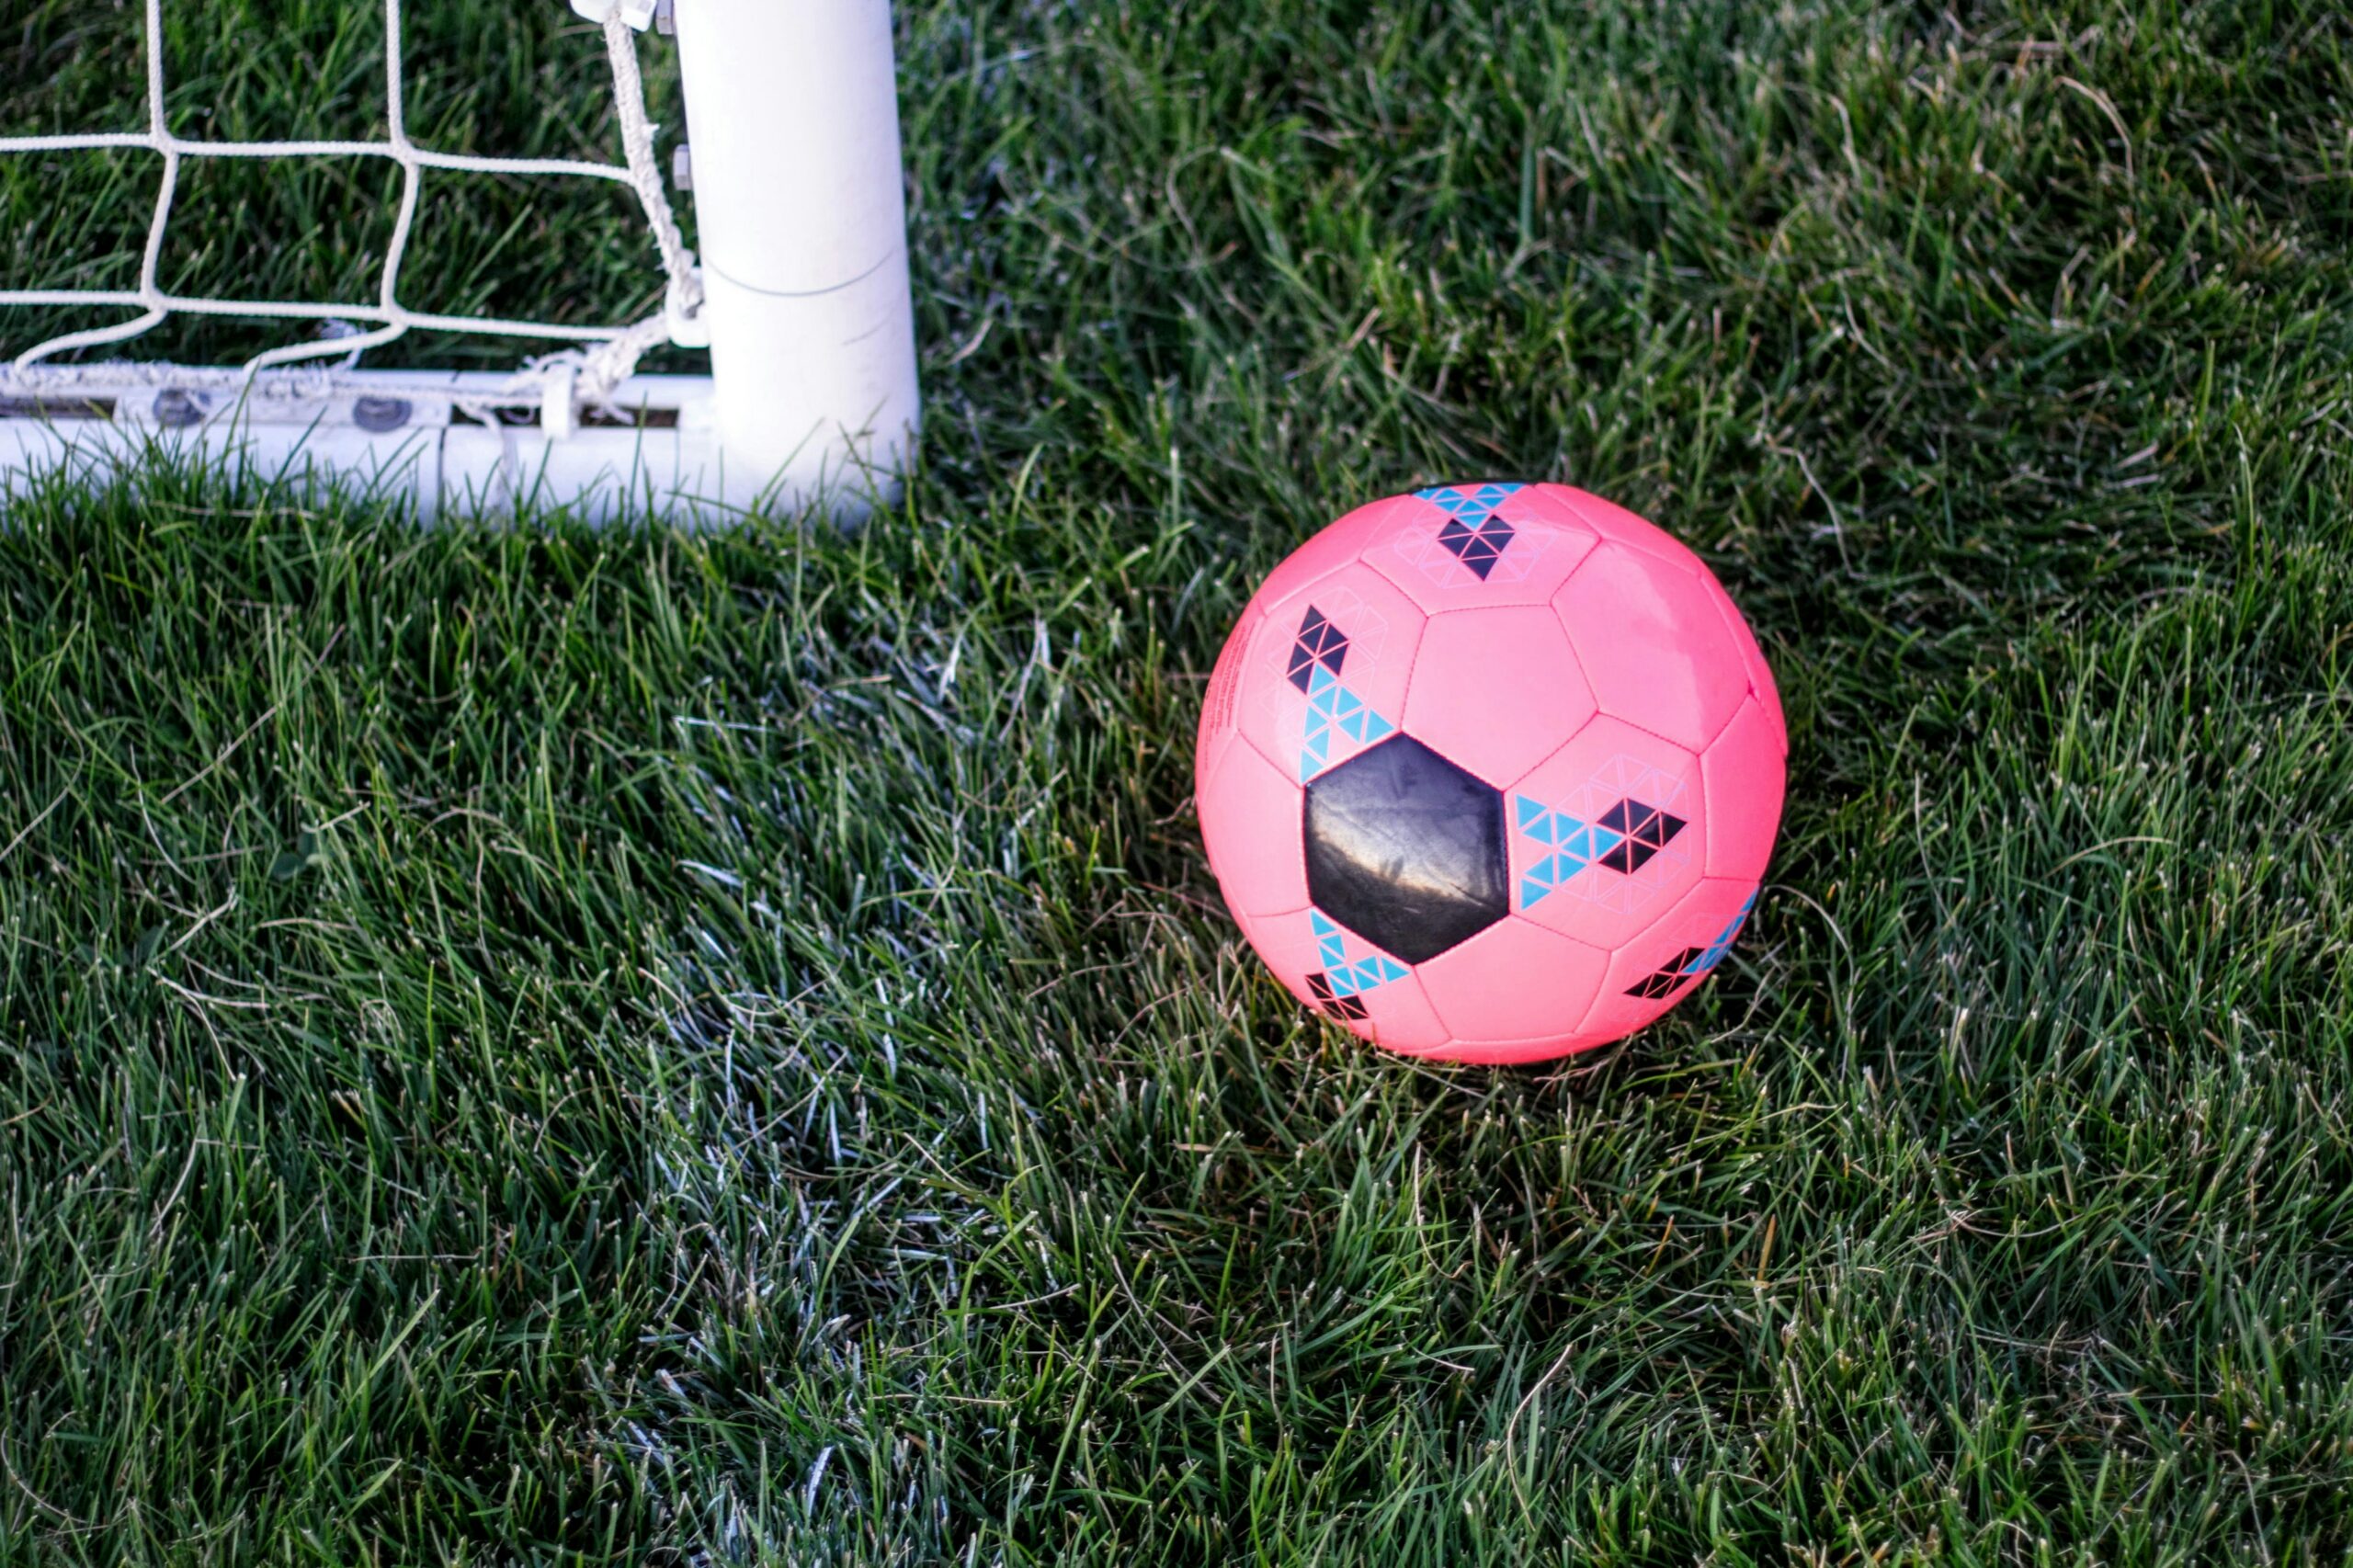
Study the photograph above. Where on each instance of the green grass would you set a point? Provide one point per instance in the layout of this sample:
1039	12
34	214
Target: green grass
530	1045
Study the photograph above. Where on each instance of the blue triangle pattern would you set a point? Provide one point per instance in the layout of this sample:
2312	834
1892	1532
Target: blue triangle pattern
1471	503
1691	963
1329	704
1344	976
1329	945
1715	950
1573	841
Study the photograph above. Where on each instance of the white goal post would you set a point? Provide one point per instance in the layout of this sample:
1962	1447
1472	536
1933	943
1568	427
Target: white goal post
800	293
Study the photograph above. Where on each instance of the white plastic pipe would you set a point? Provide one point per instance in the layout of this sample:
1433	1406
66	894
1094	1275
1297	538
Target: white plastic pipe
792	112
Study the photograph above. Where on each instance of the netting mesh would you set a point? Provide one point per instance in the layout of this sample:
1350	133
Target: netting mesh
605	356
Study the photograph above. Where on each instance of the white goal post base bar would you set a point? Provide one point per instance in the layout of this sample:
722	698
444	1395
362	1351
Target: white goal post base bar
650	450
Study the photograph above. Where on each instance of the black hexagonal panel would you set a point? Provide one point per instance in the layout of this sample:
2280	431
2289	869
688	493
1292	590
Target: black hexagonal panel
1406	849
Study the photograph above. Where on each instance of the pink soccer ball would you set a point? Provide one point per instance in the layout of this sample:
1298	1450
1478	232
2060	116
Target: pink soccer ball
1491	772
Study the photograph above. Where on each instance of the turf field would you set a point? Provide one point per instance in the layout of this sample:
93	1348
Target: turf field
529	1045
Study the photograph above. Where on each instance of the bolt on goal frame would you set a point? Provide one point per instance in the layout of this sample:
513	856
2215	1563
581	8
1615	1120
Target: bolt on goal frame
800	293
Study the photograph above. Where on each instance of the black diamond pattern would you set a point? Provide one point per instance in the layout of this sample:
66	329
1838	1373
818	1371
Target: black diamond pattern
1318	642
1666	982
1478	546
1338	1005
1646	829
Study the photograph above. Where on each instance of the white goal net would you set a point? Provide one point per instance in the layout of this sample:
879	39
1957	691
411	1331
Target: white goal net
803	302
